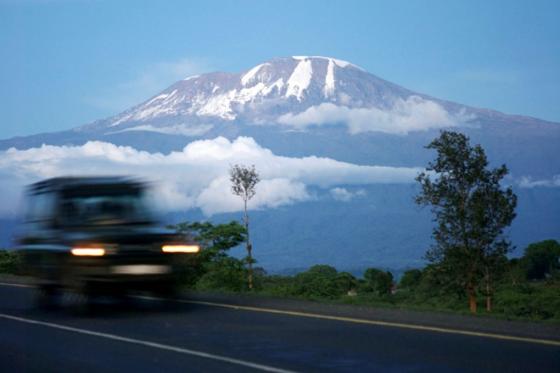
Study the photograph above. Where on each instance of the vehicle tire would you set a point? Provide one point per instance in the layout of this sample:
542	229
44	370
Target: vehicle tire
167	290
168	294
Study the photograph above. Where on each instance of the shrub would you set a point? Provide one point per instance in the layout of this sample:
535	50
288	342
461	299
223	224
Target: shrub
410	279
10	262
541	259
224	274
538	302
320	281
378	281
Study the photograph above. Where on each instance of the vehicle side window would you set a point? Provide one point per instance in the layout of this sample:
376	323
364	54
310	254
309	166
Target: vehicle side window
41	207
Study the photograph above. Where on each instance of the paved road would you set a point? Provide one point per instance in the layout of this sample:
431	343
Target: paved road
150	336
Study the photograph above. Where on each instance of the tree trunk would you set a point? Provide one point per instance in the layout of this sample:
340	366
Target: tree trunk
249	250
472	299
250	272
488	292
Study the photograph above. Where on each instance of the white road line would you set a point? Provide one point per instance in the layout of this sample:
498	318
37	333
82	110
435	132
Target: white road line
16	285
206	355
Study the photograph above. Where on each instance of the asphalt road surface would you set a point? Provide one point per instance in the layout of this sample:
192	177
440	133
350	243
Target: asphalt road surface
203	335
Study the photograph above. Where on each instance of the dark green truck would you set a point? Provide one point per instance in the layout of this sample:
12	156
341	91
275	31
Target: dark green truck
97	235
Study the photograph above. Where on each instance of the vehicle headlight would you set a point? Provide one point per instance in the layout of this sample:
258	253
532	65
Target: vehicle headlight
180	249
88	251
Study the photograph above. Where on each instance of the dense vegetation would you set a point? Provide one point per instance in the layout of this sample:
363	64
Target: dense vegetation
527	288
9	262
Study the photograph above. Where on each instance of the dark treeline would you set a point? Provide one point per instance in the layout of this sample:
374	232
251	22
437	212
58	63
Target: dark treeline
527	287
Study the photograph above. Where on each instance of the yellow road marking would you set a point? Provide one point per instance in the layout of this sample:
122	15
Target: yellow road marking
436	329
379	323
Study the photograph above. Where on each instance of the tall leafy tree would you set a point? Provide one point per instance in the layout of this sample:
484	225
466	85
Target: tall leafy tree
379	281
541	259
243	184
471	210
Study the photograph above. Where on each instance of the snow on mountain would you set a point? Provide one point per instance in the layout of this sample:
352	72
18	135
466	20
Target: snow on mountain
263	94
300	79
329	80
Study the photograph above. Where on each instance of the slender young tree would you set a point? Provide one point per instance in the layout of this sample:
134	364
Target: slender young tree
471	210
243	183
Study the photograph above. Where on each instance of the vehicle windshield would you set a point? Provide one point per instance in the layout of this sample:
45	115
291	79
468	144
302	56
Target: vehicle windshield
106	209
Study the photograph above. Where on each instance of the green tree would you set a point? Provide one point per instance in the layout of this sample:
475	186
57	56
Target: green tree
319	281
345	282
224	273
410	279
10	261
471	210
243	184
379	281
215	241
541	259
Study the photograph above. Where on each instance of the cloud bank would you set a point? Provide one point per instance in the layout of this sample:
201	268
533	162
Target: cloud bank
197	176
528	182
345	195
177	129
412	114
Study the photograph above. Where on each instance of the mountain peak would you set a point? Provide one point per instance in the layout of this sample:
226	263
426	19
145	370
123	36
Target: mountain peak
290	84
339	63
268	93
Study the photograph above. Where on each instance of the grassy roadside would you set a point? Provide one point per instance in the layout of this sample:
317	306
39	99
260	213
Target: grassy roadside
356	301
373	303
537	301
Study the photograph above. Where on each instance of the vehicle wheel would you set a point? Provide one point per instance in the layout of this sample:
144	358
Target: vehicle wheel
167	291
123	299
168	294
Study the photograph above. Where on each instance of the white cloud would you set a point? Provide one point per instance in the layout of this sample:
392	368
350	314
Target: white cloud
217	197
191	130
344	195
147	82
412	114
197	176
528	182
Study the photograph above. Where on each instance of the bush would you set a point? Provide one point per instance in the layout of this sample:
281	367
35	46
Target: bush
410	279
541	259
539	302
277	285
378	281
10	262
226	274
321	281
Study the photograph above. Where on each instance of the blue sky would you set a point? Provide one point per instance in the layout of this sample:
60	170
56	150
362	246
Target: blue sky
67	63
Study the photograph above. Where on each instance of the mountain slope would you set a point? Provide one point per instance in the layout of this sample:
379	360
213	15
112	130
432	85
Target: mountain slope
275	91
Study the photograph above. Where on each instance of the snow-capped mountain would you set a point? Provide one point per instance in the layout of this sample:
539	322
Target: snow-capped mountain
267	91
321	109
292	93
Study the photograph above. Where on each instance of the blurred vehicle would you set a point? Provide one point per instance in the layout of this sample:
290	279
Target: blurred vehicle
98	236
